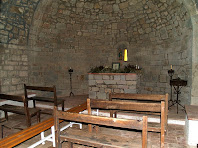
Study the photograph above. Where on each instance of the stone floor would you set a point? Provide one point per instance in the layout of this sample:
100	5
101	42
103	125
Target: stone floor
174	138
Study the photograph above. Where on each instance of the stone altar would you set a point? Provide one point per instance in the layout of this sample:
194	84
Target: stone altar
101	84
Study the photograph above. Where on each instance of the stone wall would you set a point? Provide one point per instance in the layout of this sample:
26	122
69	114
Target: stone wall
100	85
13	69
15	21
83	34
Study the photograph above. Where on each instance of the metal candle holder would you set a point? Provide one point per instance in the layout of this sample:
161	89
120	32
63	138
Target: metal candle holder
70	74
171	73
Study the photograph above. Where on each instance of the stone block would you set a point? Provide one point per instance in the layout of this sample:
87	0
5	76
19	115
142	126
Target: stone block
95	89
16	80
121	82
92	82
123	5
92	95
132	87
130	91
90	77
131	77
163	78
98	77
23	73
122	86
108	90
117	91
117	77
105	77
116	8
4	89
102	90
3	74
101	95
131	83
108	82
99	81
123	77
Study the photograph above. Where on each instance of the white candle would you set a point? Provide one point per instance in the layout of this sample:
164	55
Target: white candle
171	67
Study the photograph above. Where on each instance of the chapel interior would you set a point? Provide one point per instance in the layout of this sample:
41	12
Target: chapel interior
68	43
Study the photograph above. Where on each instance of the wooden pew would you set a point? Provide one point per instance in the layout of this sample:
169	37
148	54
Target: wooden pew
97	120
22	110
34	130
53	100
149	98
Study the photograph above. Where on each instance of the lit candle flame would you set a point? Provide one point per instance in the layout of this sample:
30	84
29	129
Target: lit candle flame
125	55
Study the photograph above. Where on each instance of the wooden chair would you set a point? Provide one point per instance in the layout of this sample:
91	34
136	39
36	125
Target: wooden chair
22	110
53	100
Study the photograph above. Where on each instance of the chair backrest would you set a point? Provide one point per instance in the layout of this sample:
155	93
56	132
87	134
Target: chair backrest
39	88
19	99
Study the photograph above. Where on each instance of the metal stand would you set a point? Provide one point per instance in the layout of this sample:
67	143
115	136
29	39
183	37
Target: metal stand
177	84
171	73
70	74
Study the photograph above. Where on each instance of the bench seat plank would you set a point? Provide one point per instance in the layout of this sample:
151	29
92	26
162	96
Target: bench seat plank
45	99
17	109
106	137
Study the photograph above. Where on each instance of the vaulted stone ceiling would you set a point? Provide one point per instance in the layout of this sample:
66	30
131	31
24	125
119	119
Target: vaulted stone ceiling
83	34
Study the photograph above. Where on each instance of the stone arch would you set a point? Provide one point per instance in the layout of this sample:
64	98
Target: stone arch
191	6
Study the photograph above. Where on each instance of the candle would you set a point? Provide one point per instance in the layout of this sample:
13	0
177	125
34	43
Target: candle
171	67
125	55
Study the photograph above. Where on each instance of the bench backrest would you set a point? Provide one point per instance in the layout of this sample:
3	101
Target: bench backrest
13	97
146	97
90	119
19	99
122	105
39	88
143	97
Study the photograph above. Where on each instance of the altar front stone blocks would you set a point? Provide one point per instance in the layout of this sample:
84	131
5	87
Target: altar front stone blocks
101	84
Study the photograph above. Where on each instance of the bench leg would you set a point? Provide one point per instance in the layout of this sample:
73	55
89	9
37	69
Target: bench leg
38	117
34	103
2	131
63	106
6	115
70	144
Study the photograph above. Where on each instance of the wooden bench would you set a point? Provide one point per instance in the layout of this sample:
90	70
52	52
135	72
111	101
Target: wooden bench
53	100
149	98
97	120
146	99
34	130
22	110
